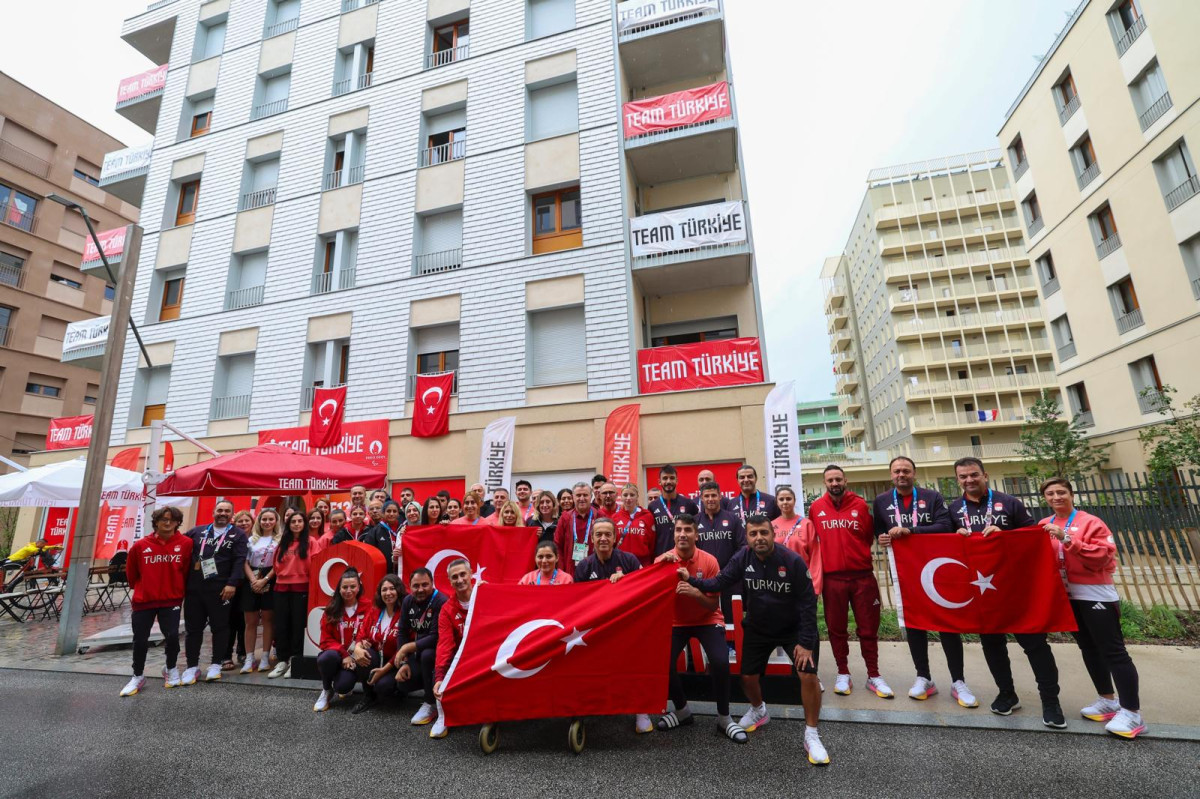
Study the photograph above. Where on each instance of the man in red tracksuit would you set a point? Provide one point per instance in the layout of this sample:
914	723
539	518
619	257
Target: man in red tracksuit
451	622
842	523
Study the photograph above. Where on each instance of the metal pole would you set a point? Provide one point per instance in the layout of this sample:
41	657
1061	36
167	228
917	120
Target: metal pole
97	456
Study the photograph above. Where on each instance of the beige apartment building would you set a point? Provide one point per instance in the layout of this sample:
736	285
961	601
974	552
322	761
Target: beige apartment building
46	150
938	339
1100	147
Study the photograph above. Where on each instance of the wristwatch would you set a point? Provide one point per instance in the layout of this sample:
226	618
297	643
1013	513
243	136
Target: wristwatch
1066	539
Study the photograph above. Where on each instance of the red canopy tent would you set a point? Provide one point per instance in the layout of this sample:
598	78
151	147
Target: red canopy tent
268	469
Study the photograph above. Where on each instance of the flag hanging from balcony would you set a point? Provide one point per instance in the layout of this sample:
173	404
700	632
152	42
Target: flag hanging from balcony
431	405
989	415
325	421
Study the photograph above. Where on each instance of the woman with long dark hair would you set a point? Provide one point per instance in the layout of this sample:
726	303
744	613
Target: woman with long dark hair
431	513
292	558
453	509
566	501
340	627
378	641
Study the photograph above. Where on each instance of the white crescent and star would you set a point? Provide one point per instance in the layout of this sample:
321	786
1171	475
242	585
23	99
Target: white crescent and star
442	554
323	576
508	647
984	584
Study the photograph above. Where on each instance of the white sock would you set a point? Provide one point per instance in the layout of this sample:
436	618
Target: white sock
808	729
722	721
761	707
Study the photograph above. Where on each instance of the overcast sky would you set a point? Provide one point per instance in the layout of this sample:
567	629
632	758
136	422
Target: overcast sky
825	92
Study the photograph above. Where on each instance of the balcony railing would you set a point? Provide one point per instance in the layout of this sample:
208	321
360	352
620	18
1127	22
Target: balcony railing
973	258
1050	286
433	262
348	85
353	5
1036	226
988	452
1129	321
12	275
1066	351
4	334
281	27
25	161
269	109
975	385
965	418
257	199
1156	110
325	282
1150	401
1068	110
412	385
243	298
307	393
932	355
946	204
1020	169
666	23
343	177
1183	192
1196	288
229	407
1130	35
1088	175
450	151
1085	419
15	217
984	319
961	289
447	56
1106	247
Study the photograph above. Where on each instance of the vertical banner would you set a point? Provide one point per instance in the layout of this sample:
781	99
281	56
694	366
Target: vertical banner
431	406
325	421
781	435
621	445
496	457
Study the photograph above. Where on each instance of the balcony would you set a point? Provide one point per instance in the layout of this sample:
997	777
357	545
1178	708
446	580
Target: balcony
1088	175
980	385
243	298
1085	419
348	85
987	452
843	362
1036	226
152	32
325	282
959	290
1003	350
840	341
942	207
1020	169
308	392
1155	111
927	267
1196	288
24	161
837	321
83	344
5	333
849	403
835	295
272	108
12	275
706	245
1130	35
680	47
231	407
432	263
846	383
257	199
281	27
442	153
1151	400
139	98
928	421
999	318
14	216
936	236
853	428
1068	110
1130	321
124	173
1066	351
1106	247
343	177
411	382
441	58
1183	192
354	5
685	151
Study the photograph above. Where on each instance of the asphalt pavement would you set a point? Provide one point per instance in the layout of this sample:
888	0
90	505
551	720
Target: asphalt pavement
70	735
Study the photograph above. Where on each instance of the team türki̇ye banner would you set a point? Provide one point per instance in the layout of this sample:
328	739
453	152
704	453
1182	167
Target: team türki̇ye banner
496	554
69	432
667	111
112	243
621	445
708	364
148	82
639	13
362	443
688	229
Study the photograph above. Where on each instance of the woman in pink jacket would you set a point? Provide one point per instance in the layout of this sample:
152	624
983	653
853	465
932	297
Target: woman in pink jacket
1089	554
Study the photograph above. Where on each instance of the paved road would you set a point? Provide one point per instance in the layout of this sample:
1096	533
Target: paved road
68	735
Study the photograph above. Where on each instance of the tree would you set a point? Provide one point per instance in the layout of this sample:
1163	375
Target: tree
1053	447
1174	443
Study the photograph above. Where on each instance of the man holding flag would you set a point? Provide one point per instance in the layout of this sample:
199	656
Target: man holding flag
451	620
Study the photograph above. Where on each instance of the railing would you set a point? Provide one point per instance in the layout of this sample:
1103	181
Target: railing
1196	288
348	85
927	420
229	407
447	56
1183	192
159	4
1129	321
15	217
960	290
12	275
675	129
257	199
1068	110
450	151
281	27
353	5
334	180
269	109
844	381
1085	419
25	161
1150	401
973	258
307	393
1020	169
1066	351
988	451
1130	35
1035	226
930	355
433	262
985	319
325	282
4	331
945	204
974	385
666	23
1088	175
1050	286
243	298
1106	247
1156	110
412	386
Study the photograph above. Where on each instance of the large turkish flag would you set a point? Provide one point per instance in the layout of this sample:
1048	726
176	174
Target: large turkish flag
1007	582
431	405
586	649
325	421
496	554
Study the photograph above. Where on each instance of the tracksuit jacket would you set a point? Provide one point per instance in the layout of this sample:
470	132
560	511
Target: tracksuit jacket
158	570
230	557
932	514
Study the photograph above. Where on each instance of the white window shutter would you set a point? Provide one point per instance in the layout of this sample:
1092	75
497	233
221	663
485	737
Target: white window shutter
553	110
451	120
441	232
440	338
558	346
239	375
158	380
550	16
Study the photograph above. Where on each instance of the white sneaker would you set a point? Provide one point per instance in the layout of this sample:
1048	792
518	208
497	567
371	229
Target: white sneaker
963	694
248	666
171	678
880	687
922	689
424	715
1101	710
1126	724
264	664
755	717
134	685
213	674
279	670
816	750
438	730
843	685
643	724
190	674
322	703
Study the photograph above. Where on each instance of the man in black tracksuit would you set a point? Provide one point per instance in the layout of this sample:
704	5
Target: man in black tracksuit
419	613
667	507
217	569
720	532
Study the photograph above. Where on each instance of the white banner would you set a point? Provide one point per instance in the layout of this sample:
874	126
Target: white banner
496	459
86	333
131	159
636	13
782	437
688	228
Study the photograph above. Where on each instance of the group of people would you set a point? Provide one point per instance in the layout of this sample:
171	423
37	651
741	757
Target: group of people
404	638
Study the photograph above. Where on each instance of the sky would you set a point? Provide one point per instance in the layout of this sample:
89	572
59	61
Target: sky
834	90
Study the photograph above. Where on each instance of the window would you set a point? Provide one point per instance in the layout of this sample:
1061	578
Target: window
1126	309
1083	157
1033	214
345	156
17	208
326	365
6	324
1066	98
1127	23
1190	250
189	194
1016	157
197	116
259	178
271	94
545	17
93	391
43	390
110	293
282	16
557	351
445	137
201	123
210	39
553	110
437	350
65	281
1064	340
1045	267
557	222
172	298
1150	97
1127	13
354	68
693	332
247	277
85	177
336	258
12	270
440	243
233	385
1104	231
1176	173
450	43
1146	383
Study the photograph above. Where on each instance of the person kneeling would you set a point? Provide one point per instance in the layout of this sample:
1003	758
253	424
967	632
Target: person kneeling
378	643
417	655
451	621
339	630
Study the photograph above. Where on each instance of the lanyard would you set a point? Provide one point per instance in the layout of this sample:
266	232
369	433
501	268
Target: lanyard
1066	527
587	532
379	631
553	577
788	537
900	513
987	516
757	502
420	625
667	507
477	518
627	527
219	541
393	534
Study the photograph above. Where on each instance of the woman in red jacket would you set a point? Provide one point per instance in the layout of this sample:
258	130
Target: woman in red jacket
547	571
340	627
290	600
378	640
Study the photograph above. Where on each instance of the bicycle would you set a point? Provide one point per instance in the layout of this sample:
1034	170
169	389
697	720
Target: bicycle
36	573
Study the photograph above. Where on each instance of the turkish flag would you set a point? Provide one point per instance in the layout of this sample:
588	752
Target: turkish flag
586	649
496	554
325	422
431	405
1007	582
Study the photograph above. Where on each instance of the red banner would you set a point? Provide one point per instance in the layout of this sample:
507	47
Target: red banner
115	530
69	432
708	364
1007	582
496	554
325	419
621	445
531	653
152	80
431	405
57	531
324	573
362	444
673	110
724	473
112	242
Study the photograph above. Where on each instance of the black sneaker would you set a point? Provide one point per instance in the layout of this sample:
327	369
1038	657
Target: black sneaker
1006	703
1052	715
366	703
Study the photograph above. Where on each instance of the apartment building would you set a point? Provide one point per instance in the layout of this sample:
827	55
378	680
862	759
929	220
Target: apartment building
935	321
46	150
1100	147
820	424
536	194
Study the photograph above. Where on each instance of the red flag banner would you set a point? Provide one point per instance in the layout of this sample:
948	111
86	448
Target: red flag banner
537	653
325	421
362	443
496	554
69	432
431	405
708	364
128	459
621	445
1007	582
688	107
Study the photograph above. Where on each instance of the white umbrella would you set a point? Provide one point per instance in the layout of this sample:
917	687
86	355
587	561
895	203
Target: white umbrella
58	485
